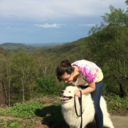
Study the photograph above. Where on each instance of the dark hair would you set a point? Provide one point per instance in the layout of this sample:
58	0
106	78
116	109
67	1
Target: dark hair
65	66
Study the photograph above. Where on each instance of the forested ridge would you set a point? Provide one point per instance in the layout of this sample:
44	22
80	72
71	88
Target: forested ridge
15	47
24	76
29	48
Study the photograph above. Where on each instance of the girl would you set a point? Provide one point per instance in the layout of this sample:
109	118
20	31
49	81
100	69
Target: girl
89	77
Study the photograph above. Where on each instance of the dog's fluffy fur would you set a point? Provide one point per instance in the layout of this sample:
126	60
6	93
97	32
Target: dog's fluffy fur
70	116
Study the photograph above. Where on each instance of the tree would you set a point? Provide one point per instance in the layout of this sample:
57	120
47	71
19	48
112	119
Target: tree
5	75
26	69
8	77
44	62
109	42
126	4
3	90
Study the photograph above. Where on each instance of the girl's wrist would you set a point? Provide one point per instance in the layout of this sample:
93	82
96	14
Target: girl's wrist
82	91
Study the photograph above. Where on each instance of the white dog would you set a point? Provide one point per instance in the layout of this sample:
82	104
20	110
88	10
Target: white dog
68	110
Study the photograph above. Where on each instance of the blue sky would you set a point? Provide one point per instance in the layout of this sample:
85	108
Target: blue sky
46	21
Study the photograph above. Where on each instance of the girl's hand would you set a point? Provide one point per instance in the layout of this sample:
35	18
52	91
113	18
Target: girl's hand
77	93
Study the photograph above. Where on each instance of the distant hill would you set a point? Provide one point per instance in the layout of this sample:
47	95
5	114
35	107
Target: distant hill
28	47
72	51
46	45
67	48
17	47
58	50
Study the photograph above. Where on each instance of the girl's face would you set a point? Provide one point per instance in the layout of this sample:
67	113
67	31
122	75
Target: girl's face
67	78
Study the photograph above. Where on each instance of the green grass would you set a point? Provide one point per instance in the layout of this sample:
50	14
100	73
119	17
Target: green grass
50	114
16	124
115	103
23	110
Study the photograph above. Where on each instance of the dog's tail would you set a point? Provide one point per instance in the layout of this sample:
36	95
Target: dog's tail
106	116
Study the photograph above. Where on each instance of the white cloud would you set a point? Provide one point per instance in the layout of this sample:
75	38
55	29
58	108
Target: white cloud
89	25
44	9
49	25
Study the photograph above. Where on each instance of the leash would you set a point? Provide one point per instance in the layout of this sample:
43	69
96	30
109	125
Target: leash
80	102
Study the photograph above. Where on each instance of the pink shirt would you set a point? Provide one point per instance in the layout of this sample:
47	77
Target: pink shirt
89	70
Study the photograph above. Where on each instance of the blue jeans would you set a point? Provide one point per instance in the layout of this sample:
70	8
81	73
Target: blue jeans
96	94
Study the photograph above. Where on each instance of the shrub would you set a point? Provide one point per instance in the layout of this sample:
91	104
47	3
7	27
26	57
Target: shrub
48	86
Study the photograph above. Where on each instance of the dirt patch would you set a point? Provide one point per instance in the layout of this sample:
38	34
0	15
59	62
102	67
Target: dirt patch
8	118
37	124
120	121
46	100
122	113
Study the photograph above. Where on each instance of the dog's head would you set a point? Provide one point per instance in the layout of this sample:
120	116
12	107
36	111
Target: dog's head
67	97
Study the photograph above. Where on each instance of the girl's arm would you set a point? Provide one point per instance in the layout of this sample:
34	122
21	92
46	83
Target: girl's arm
90	88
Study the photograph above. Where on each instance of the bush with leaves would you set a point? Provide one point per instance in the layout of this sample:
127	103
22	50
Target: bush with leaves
48	86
